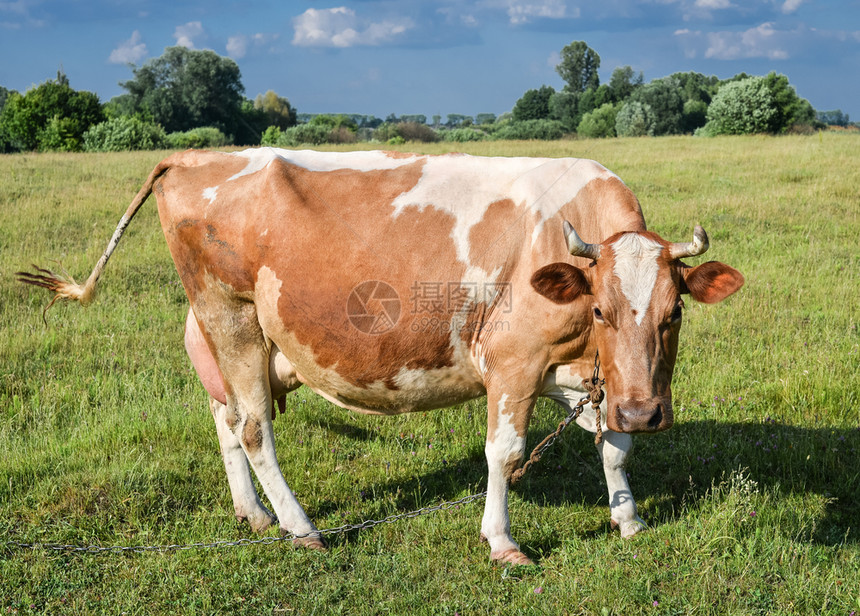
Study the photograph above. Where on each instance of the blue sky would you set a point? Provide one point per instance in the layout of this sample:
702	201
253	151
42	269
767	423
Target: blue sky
434	56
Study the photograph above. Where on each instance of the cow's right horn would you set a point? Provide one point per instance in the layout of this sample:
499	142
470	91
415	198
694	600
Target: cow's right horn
577	247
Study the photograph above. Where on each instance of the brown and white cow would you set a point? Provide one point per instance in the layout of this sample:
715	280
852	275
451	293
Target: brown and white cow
391	283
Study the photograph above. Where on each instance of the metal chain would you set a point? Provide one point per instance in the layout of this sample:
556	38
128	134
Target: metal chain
595	395
97	549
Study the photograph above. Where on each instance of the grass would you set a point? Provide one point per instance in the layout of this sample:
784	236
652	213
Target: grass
752	497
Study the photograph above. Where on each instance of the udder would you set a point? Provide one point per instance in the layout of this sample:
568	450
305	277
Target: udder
282	374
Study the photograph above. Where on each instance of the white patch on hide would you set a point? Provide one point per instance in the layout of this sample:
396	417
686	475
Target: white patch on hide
636	267
210	193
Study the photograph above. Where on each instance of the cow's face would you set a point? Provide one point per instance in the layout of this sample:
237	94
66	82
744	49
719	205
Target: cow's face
635	284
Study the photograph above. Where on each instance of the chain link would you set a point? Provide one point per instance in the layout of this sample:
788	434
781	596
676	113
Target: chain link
595	396
338	530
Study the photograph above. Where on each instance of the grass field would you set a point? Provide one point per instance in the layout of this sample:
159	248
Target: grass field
752	498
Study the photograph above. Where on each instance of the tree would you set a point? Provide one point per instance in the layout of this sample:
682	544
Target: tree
564	107
833	118
4	94
598	123
634	119
664	98
187	88
277	109
623	83
534	104
415	119
456	119
485	118
742	107
790	108
51	116
578	66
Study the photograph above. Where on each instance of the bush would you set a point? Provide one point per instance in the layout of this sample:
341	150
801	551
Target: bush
124	133
271	136
463	135
741	107
203	137
414	131
635	119
304	134
599	123
531	129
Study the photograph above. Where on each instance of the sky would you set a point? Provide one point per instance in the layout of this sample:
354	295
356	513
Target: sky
434	57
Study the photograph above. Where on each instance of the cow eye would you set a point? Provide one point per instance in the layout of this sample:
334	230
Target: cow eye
597	314
678	312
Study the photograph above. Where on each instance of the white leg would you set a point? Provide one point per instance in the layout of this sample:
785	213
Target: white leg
246	501
243	359
613	451
506	429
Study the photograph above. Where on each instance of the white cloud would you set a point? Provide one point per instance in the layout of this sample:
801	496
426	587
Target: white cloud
131	51
341	27
186	34
238	46
713	5
790	6
523	11
760	42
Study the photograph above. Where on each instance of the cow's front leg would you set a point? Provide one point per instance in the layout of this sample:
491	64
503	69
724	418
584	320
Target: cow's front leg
614	450
246	501
507	422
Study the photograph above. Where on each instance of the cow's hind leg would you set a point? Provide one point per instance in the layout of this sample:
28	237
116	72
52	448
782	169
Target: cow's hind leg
242	354
246	501
614	450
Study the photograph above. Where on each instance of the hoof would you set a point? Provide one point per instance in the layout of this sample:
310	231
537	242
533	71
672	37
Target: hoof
629	528
515	557
259	521
311	543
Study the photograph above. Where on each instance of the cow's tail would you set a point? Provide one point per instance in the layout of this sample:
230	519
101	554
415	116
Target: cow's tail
64	286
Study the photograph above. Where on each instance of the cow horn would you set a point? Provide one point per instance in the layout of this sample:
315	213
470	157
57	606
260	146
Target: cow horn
577	247
698	246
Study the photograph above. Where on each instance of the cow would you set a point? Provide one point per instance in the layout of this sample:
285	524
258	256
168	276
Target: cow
391	283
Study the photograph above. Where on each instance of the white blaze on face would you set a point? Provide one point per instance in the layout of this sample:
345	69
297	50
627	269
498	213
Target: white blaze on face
636	267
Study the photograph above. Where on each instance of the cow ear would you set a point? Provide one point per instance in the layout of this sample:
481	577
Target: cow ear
560	282
710	282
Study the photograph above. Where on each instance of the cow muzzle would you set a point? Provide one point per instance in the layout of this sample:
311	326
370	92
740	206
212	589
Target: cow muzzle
637	416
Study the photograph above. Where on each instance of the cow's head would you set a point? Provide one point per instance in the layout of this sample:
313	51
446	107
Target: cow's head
635	284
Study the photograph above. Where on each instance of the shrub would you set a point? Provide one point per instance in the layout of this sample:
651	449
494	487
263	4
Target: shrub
635	119
741	107
124	133
414	131
271	136
463	135
203	137
599	123
307	134
531	129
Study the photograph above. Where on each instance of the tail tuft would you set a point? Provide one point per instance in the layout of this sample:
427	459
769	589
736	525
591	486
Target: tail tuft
64	287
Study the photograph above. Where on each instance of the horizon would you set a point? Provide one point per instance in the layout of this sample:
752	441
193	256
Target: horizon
435	57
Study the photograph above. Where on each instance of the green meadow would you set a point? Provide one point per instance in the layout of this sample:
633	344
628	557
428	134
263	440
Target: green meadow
751	498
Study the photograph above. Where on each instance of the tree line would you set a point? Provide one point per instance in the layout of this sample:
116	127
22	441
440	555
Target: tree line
189	98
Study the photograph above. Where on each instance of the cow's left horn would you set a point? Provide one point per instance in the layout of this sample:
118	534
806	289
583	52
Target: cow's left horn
698	246
577	247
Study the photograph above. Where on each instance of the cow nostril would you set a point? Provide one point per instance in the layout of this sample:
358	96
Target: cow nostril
656	418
